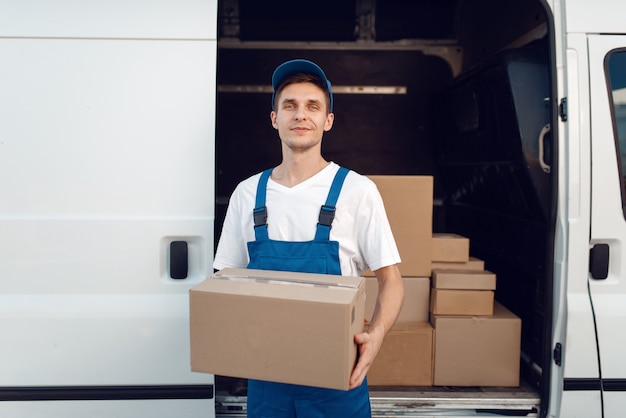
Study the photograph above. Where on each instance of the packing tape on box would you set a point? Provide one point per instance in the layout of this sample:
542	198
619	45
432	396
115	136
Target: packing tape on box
285	281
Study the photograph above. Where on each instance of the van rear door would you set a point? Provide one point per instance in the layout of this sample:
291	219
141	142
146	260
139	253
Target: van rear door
106	205
607	277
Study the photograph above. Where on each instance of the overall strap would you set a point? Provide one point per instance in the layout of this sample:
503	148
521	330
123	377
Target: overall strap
327	212
259	212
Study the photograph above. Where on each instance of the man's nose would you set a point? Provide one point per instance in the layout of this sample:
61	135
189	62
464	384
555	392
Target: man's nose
299	114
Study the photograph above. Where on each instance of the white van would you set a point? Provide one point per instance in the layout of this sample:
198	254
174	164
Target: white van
125	126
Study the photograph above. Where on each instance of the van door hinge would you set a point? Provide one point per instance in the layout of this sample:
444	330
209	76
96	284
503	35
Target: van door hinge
563	109
557	354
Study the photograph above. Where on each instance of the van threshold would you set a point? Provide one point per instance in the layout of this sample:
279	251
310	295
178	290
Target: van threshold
426	401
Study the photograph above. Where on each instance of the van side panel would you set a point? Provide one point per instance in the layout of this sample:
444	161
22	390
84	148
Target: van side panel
107	157
111	19
603	16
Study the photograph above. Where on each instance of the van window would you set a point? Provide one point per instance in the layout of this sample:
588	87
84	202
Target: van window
616	75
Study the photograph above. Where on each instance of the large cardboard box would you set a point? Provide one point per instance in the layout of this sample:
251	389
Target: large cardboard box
415	307
405	358
409	205
472	264
477	350
464	279
450	248
279	326
461	302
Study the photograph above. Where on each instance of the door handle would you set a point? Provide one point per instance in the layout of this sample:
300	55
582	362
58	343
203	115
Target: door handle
179	259
542	139
599	261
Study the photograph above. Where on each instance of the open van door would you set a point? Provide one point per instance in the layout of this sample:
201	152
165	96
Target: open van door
106	205
607	276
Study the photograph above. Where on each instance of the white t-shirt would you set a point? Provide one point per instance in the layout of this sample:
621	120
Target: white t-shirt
360	226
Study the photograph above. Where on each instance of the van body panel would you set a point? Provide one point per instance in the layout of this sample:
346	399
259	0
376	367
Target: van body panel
604	16
107	156
114	19
580	353
108	151
77	340
575	404
164	408
608	127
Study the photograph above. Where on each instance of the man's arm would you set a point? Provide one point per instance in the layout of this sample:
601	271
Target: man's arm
388	304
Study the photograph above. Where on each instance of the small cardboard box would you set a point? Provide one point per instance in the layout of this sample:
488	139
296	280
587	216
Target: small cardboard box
461	302
415	307
464	279
477	351
278	326
405	358
409	205
472	264
450	248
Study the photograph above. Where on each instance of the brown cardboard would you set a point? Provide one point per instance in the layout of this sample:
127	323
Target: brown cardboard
409	205
472	264
405	358
279	326
464	279
477	351
415	307
450	248
461	302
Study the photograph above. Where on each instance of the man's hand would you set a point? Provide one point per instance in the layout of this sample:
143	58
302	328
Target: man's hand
388	304
368	346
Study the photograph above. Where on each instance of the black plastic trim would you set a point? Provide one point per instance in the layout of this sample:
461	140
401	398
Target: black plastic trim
608	385
107	393
179	260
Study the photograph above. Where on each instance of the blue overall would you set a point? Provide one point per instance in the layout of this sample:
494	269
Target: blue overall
270	399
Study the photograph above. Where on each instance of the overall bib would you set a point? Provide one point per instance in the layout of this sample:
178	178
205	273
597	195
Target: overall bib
270	399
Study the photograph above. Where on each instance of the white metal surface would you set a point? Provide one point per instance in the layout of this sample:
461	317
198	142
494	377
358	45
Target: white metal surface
579	347
106	156
601	16
108	409
608	223
112	19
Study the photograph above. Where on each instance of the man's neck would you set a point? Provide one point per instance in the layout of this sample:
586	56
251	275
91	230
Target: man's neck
294	171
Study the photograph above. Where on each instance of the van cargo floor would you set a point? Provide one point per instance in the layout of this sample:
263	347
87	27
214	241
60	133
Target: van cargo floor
426	402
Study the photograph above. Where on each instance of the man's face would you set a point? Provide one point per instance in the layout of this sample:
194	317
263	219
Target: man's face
301	116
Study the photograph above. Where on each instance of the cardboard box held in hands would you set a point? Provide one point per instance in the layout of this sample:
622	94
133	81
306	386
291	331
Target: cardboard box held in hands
278	326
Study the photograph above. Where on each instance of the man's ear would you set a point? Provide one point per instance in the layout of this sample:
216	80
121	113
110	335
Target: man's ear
273	119
330	119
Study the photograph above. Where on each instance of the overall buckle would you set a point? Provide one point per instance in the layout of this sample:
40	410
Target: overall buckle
260	216
327	215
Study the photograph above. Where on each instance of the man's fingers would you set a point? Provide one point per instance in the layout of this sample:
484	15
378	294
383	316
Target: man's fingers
359	372
361	338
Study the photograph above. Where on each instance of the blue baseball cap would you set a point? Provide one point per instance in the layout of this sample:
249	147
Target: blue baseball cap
288	68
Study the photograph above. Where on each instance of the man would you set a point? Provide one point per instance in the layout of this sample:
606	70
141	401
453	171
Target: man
310	215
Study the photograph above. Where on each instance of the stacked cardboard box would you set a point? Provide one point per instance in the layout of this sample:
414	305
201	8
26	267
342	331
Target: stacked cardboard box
472	263
450	331
477	350
477	340
409	205
406	357
457	291
462	292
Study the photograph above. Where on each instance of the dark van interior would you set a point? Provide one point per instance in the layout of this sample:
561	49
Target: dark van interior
458	89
